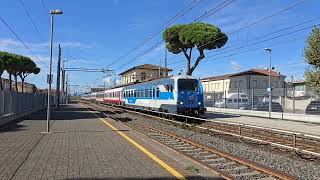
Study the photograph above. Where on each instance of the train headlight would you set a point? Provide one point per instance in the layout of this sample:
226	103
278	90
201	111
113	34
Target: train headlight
199	103
181	102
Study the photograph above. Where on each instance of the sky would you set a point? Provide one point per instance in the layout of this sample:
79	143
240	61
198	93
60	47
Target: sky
94	34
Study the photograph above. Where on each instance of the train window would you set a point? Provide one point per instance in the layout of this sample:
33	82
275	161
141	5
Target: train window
188	85
153	92
134	93
150	92
169	88
146	92
158	92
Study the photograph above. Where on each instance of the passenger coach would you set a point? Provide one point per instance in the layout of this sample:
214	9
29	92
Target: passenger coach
174	95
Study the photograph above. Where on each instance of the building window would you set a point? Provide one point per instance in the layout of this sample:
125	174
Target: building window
143	75
275	84
254	84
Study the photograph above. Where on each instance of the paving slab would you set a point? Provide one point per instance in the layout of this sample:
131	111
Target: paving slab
79	147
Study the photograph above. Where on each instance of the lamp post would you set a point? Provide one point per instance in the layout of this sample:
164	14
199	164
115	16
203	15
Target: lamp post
52	12
270	88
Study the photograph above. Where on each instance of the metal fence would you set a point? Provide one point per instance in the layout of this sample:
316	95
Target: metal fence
17	103
288	100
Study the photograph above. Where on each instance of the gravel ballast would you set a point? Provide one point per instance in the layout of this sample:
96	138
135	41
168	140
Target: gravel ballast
269	156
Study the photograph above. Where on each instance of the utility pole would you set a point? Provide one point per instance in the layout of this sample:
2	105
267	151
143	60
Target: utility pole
270	87
165	60
63	81
58	78
67	89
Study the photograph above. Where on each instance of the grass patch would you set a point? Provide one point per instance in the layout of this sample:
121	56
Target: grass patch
192	169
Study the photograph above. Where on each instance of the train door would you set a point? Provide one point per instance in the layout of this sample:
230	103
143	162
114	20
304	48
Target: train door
154	101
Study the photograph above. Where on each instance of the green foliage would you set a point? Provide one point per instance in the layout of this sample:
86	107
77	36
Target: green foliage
312	57
17	65
185	37
192	169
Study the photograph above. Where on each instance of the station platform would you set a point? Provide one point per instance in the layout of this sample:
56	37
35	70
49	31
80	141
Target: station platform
289	125
84	145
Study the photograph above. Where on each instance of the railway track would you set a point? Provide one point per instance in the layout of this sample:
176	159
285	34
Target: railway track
226	165
304	145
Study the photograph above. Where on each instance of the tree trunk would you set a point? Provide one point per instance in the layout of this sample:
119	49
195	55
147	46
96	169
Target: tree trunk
201	56
1	85
188	60
188	68
16	85
22	82
10	81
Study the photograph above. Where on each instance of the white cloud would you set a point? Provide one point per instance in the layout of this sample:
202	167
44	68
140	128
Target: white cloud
14	46
235	65
111	81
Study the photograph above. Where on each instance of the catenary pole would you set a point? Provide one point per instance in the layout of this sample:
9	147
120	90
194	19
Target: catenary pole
58	77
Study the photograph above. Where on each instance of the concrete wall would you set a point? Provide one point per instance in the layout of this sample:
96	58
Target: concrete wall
14	105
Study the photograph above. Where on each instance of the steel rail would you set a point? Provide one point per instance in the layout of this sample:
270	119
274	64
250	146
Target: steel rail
242	163
238	134
251	164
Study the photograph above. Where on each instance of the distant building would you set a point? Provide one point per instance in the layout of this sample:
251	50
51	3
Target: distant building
143	73
27	87
5	84
243	81
298	89
97	89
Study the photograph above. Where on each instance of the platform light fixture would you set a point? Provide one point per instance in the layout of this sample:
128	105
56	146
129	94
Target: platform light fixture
53	13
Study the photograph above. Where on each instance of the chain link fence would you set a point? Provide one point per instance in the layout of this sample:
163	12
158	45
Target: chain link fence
287	100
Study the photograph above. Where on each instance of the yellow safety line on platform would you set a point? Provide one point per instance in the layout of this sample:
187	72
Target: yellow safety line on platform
144	150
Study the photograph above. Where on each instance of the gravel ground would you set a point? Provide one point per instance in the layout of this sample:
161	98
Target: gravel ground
269	156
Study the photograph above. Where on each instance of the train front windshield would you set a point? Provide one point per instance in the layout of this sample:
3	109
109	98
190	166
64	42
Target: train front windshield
188	85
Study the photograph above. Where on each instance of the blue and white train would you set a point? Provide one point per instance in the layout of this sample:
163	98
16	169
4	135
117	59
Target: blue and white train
181	95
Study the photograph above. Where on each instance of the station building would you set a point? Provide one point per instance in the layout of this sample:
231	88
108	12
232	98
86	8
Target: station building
142	73
243	81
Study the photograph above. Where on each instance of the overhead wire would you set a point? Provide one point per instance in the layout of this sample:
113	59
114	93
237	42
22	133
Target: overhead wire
45	10
202	17
31	19
18	38
152	35
256	22
247	51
